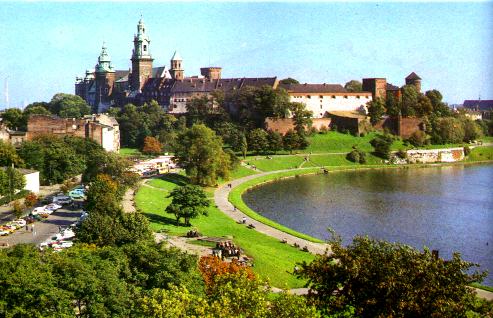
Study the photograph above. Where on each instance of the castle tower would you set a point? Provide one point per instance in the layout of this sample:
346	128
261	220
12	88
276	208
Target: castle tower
414	79
176	70
105	79
377	87
211	73
141	59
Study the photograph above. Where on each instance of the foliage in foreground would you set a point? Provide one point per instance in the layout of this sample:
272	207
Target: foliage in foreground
381	279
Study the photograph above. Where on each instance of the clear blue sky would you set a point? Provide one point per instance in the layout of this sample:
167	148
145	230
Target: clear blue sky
44	46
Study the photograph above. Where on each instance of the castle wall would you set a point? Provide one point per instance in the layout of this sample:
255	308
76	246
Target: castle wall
321	103
283	125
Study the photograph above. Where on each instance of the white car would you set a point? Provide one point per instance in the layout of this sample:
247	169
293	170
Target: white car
3	233
40	210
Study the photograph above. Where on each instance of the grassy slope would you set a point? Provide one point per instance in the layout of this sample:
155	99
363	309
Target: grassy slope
129	152
481	154
273	259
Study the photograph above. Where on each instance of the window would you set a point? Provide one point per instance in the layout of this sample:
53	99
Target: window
145	47
333	96
345	96
321	96
308	96
357	96
320	106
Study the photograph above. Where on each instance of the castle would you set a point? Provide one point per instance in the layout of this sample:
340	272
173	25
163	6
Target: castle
105	87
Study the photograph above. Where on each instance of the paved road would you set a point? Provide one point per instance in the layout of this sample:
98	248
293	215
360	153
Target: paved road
221	199
43	229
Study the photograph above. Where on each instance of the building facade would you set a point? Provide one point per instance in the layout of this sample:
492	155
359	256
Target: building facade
102	129
322	99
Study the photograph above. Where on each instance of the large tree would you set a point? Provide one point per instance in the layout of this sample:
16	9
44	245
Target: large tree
12	117
354	86
11	180
409	100
376	109
302	118
201	154
188	201
68	105
439	107
258	140
9	156
381	279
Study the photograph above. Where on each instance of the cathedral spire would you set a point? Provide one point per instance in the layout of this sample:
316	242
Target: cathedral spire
104	61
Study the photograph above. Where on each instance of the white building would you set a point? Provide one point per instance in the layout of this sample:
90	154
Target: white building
325	98
161	164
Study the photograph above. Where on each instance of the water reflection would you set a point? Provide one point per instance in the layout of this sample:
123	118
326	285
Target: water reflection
445	208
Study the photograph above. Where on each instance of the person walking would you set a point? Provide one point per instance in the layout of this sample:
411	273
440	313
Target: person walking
33	230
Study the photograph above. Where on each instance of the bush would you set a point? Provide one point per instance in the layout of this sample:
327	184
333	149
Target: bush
356	156
30	200
418	138
323	130
401	154
313	130
467	151
18	209
382	144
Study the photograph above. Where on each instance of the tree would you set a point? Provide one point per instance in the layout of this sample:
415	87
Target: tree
288	81
189	201
449	130
302	118
292	140
152	146
211	267
418	138
68	106
354	86
393	105
199	109
9	156
472	130
439	107
423	107
243	146
382	145
11	180
381	279
258	140
12	117
275	141
376	110
200	153
409	100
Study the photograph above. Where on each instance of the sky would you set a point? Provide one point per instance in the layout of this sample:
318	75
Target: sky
45	45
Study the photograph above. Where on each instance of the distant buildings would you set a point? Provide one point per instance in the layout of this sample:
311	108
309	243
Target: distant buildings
100	128
479	107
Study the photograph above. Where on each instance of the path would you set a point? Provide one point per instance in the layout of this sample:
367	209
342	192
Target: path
222	202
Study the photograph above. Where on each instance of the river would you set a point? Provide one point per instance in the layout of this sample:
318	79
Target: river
448	208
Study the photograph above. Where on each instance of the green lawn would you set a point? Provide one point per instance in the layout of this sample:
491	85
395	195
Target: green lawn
481	154
273	260
130	152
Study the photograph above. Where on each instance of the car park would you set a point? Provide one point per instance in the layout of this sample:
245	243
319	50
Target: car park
20	222
39	210
53	207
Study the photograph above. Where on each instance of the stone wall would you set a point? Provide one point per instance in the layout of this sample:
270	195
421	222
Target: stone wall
283	125
400	126
435	155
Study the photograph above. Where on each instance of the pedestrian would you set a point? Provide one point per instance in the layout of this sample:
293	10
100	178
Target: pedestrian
59	229
234	208
33	230
244	219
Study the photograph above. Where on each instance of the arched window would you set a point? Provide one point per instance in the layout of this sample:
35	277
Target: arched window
145	47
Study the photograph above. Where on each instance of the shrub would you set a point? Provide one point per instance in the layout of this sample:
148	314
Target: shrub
382	144
418	138
30	200
467	151
401	154
313	130
323	130
18	209
356	156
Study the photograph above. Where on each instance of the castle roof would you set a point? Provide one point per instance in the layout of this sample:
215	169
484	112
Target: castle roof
313	88
413	76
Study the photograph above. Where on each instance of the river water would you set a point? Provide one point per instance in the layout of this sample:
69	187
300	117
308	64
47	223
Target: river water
447	208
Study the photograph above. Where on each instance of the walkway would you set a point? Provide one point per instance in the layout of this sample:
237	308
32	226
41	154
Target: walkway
222	202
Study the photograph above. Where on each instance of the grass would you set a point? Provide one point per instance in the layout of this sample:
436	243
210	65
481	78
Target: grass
481	154
273	260
483	287
130	152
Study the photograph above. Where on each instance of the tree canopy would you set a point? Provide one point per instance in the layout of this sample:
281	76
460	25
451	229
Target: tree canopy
188	201
354	86
68	106
381	279
200	153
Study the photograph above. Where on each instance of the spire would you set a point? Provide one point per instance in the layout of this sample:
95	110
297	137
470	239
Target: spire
141	42
104	61
176	57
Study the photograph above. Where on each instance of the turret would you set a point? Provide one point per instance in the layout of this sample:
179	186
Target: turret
105	79
176	70
414	79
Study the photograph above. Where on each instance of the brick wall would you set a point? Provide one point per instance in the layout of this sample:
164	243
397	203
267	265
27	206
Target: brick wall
283	125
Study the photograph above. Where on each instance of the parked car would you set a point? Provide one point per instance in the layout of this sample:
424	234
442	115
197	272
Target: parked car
38	210
4	232
21	222
63	199
53	207
76	194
